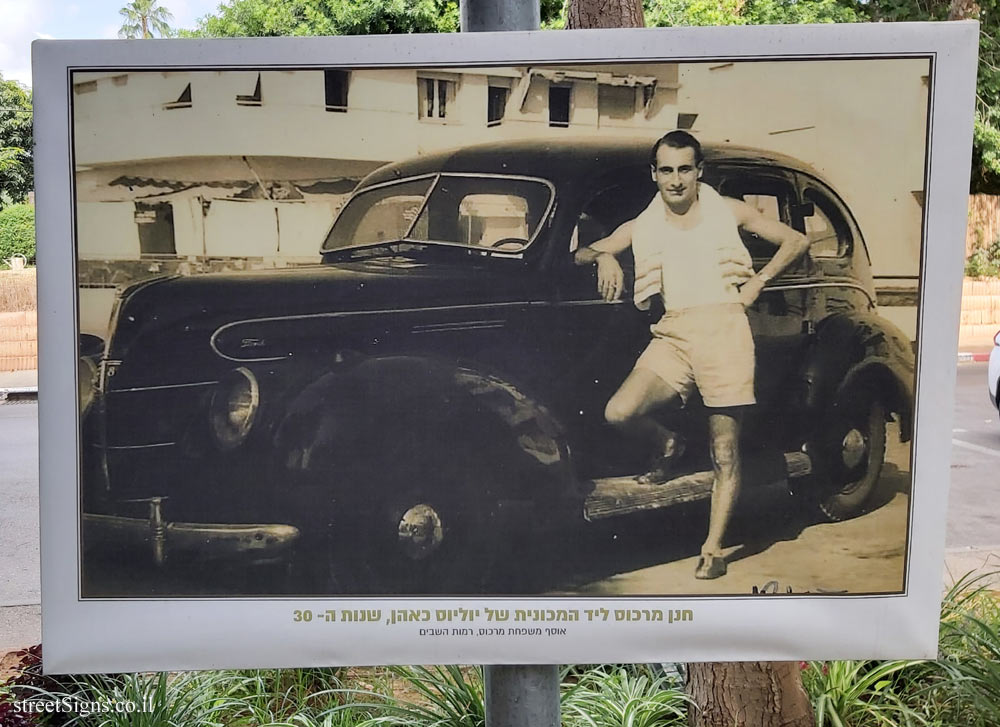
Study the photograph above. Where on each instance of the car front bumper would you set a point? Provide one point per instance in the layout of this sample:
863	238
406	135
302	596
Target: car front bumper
248	542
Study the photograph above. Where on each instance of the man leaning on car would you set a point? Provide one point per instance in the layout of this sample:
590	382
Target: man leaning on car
703	339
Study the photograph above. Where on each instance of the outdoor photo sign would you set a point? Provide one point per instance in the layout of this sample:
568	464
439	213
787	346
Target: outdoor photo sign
600	346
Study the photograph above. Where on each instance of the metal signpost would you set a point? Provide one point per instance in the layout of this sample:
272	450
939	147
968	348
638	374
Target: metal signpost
490	15
516	696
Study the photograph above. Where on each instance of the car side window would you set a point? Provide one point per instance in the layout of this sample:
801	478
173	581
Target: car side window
771	196
613	205
827	229
494	220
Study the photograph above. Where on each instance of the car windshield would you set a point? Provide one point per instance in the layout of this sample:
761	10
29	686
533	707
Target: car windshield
497	213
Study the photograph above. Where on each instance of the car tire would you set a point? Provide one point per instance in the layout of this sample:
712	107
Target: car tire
440	537
850	454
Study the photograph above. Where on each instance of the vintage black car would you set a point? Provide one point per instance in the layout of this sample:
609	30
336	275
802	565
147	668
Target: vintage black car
433	391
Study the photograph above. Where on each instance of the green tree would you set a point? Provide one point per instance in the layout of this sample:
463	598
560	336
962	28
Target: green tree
256	18
747	12
144	17
17	232
986	133
16	169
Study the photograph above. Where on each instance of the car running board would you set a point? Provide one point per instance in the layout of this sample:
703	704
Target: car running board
614	496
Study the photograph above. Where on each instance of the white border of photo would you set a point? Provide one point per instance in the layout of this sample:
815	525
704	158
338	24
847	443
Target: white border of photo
179	633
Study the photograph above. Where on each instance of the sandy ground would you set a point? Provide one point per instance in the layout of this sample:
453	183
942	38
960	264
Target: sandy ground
862	555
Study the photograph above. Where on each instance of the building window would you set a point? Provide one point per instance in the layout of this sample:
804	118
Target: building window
183	101
559	98
686	121
616	102
156	228
648	94
435	96
496	105
253	99
335	84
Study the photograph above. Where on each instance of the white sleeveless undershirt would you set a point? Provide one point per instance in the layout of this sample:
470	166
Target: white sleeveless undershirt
686	266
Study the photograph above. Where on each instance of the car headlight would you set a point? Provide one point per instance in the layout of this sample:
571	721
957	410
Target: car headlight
233	407
86	373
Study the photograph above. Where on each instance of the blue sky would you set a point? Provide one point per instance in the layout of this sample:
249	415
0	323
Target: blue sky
22	21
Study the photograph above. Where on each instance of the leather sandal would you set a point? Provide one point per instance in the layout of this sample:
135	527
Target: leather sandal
660	473
663	467
709	567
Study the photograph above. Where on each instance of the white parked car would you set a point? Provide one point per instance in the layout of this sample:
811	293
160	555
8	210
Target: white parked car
993	376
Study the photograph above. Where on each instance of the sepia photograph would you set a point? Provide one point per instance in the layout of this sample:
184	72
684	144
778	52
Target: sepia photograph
633	329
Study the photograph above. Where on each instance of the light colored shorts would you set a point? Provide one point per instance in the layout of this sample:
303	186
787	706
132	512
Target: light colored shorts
709	347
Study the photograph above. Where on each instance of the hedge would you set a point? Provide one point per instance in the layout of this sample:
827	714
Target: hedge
17	232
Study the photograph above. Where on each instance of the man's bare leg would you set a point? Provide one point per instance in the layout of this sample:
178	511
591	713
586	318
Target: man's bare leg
629	408
724	441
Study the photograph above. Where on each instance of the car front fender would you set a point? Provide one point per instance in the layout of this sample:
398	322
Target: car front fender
851	348
384	422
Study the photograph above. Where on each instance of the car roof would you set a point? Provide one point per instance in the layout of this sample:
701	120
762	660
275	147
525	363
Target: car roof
566	160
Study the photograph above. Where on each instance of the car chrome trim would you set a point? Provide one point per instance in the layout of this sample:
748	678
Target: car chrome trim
105	371
589	301
351	313
212	539
164	386
769	288
825	284
139	446
213	341
549	207
458	326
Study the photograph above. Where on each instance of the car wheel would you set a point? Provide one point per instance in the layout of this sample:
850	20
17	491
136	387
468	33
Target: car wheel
415	540
850	454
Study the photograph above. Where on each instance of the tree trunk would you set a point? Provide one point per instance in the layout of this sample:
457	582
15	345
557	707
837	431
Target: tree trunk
605	14
963	10
725	694
748	694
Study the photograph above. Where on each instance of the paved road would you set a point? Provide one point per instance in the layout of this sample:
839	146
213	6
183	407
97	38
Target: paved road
973	521
973	514
19	584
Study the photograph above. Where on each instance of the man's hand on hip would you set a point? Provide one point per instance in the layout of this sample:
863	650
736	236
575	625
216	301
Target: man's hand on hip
750	290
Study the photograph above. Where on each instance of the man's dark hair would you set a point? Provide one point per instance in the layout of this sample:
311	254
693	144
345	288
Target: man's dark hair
678	139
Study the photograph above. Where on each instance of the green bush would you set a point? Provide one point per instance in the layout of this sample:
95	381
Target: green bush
984	262
17	232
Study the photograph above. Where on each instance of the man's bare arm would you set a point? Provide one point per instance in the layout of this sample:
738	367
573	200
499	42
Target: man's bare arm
614	244
610	277
791	245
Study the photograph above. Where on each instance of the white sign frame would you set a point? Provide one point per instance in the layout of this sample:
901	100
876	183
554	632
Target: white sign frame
148	634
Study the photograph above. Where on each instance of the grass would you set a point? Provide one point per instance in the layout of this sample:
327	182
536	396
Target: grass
970	654
960	688
17	290
612	696
846	693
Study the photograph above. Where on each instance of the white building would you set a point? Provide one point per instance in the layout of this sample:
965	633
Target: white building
249	168
255	164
